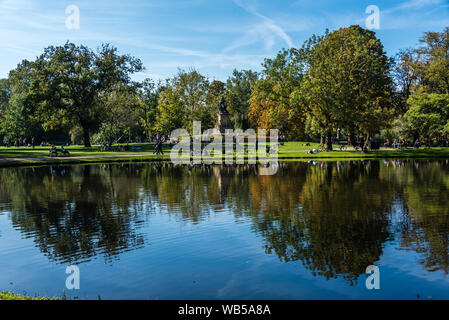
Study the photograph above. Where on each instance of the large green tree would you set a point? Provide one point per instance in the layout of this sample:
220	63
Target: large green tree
69	80
18	118
185	100
238	94
348	85
271	103
5	94
433	68
120	113
148	95
428	115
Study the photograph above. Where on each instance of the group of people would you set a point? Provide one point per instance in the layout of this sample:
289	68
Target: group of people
401	143
158	141
18	142
54	151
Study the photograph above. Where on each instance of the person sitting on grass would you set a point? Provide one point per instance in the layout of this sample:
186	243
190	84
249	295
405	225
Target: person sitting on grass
53	151
64	151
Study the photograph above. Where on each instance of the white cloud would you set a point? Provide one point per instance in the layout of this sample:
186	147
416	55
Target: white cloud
14	5
413	5
266	31
414	13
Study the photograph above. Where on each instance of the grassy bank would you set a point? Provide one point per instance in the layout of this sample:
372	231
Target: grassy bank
290	151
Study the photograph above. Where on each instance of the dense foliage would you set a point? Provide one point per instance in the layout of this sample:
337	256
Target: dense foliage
337	86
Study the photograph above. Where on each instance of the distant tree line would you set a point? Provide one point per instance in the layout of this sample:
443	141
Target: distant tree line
339	85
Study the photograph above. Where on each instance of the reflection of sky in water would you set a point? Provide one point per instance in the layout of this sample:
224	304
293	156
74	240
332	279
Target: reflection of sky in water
219	252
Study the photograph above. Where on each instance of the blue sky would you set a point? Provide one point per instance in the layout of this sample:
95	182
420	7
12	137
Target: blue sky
213	36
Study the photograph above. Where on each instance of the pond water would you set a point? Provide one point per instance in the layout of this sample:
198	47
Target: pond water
146	231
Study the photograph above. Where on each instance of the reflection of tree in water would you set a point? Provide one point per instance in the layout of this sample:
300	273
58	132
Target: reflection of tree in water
188	193
74	214
425	229
336	219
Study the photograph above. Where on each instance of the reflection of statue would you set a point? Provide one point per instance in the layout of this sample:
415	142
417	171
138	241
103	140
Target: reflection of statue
222	106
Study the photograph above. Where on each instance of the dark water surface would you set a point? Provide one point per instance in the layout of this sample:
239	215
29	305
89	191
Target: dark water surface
308	232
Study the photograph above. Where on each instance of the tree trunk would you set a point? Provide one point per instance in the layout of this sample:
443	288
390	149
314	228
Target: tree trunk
368	142
415	136
110	137
351	138
86	137
328	141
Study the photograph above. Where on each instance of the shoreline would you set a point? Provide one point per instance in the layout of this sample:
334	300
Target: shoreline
24	162
291	151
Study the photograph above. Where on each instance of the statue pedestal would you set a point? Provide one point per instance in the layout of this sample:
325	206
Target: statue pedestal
224	122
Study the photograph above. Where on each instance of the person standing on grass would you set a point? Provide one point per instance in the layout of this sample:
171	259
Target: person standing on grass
32	142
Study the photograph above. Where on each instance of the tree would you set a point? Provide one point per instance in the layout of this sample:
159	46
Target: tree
5	95
433	68
148	95
119	113
68	80
183	101
406	78
214	93
238	94
170	113
17	104
271	106
348	83
429	115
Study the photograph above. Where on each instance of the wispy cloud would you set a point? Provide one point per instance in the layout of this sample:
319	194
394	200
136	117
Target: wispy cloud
415	13
212	36
15	4
413	5
266	30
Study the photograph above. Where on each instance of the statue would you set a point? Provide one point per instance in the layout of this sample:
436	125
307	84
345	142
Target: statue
222	106
224	120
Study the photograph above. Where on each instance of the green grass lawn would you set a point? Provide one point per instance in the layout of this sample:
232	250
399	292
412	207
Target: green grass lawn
75	151
289	151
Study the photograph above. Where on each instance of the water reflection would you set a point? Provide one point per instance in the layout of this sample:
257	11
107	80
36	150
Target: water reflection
334	217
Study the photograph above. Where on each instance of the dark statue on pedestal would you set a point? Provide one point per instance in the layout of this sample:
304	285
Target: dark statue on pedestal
222	106
224	121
